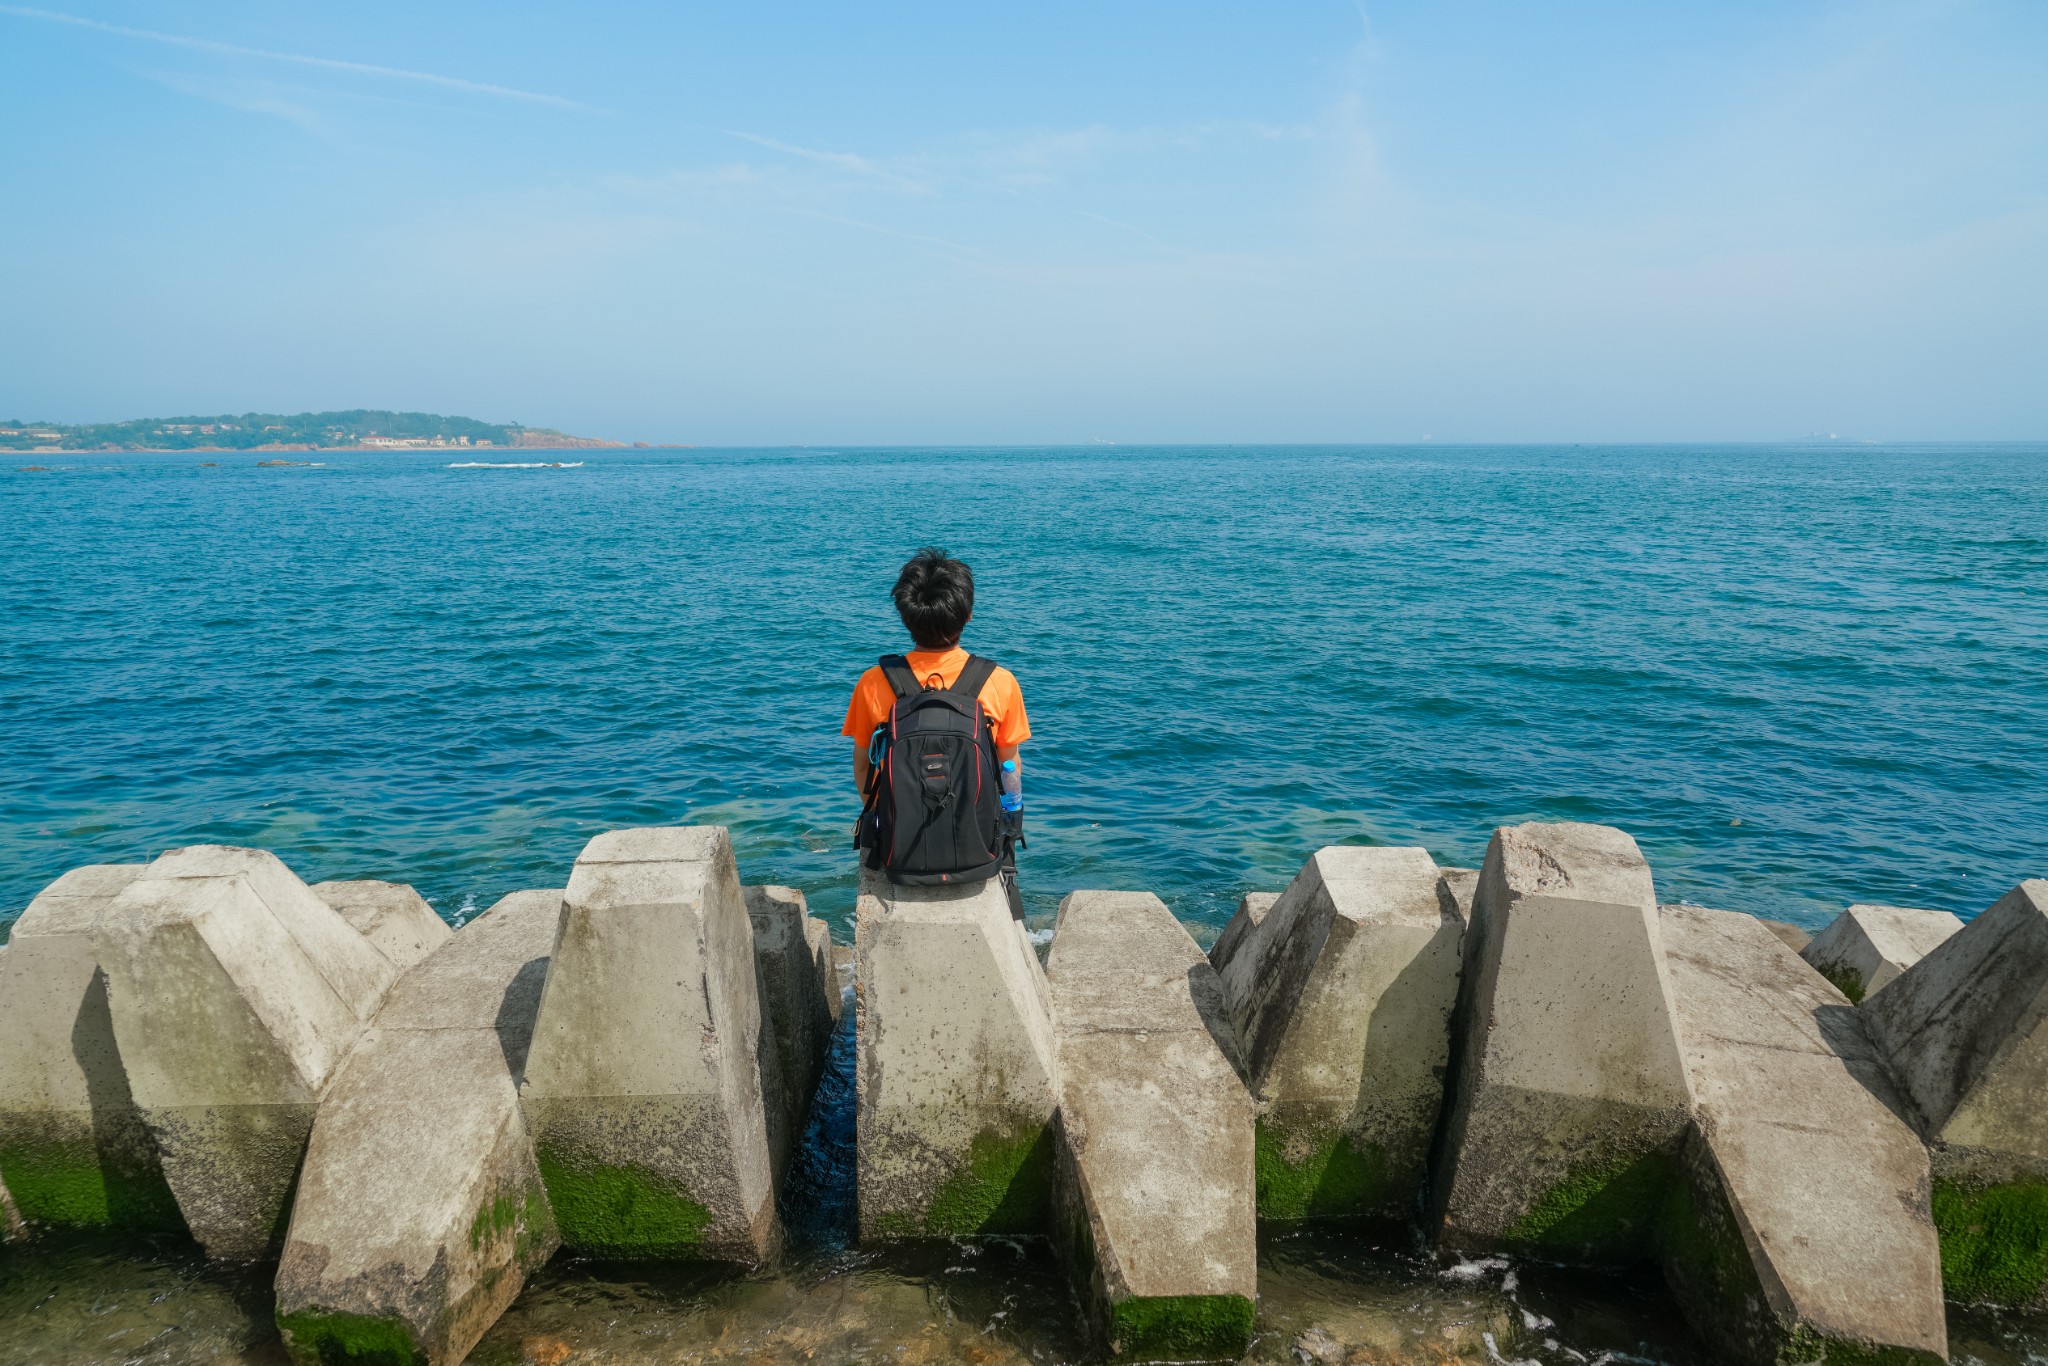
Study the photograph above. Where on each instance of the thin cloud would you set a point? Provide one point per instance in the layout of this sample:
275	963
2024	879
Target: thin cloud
296	58
845	161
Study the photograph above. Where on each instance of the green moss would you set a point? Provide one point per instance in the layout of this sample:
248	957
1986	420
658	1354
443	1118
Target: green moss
1334	1180
1607	1209
1181	1327
1005	1186
1994	1242
620	1211
72	1186
1848	981
317	1339
1803	1345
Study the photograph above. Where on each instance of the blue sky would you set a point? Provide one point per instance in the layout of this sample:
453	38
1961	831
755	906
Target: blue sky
963	222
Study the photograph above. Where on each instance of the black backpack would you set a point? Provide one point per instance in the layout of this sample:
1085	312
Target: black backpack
933	810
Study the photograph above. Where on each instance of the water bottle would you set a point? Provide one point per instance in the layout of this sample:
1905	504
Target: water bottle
1013	797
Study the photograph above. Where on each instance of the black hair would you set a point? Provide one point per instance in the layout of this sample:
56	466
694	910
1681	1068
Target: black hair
934	596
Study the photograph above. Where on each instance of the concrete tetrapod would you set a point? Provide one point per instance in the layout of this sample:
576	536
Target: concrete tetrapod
234	993
1251	910
643	1087
1866	947
74	1150
420	1210
1966	1031
1153	1204
396	920
1798	1228
1342	994
799	992
1569	1094
954	1064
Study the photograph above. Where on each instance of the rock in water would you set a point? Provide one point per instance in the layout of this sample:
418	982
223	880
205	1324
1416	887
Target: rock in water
1154	1207
1799	1228
396	920
954	1065
643	1087
234	993
420	1210
799	993
1342	994
1866	947
1569	1096
74	1151
1966	1029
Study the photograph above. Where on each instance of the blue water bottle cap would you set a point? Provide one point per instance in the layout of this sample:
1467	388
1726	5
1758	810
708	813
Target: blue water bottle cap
1010	764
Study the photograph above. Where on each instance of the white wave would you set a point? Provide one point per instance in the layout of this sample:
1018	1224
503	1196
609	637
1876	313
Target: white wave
1472	1271
525	465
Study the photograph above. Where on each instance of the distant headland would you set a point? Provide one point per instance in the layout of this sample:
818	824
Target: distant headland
359	429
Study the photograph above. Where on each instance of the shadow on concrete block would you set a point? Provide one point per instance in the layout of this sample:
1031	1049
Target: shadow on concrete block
799	992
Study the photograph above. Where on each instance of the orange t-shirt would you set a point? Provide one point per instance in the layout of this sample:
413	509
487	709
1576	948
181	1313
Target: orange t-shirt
1000	697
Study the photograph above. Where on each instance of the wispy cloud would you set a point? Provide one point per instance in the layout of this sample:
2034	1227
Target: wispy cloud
395	73
845	161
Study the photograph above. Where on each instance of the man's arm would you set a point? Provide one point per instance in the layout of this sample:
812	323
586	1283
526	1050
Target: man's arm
860	767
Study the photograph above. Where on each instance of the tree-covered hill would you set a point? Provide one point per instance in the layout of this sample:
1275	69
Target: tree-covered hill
360	427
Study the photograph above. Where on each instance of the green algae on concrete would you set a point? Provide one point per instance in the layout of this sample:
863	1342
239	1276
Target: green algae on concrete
1004	1187
1994	1242
622	1211
71	1185
1606	1209
1181	1328
1846	980
1332	1179
321	1339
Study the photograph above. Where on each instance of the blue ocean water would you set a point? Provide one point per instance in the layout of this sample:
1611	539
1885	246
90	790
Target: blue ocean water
1801	675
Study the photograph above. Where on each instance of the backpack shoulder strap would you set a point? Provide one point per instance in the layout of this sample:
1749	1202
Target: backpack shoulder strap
973	675
896	669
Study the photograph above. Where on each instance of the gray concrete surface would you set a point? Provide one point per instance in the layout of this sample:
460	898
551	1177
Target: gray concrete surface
234	994
420	1210
1341	995
72	1142
643	1087
955	1065
396	920
1154	1205
1569	1096
1251	909
799	994
1803	1223
1790	935
1864	949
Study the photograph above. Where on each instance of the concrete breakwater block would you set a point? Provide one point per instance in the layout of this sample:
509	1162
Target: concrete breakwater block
1342	994
234	993
1153	1202
799	991
396	920
74	1150
1866	947
955	1067
1251	910
420	1209
643	1087
1966	1031
1797	1227
1790	935
1569	1093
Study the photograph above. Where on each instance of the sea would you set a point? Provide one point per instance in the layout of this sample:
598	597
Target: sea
1800	675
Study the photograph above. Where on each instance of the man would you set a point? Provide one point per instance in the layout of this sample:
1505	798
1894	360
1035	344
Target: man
943	823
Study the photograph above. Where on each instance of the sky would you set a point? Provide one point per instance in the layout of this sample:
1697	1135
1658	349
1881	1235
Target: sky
780	223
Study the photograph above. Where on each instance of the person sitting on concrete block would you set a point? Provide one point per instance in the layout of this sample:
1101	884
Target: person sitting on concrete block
643	1086
396	920
1569	1096
954	1065
73	1146
1153	1201
1966	1030
420	1211
1341	994
1866	947
235	993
